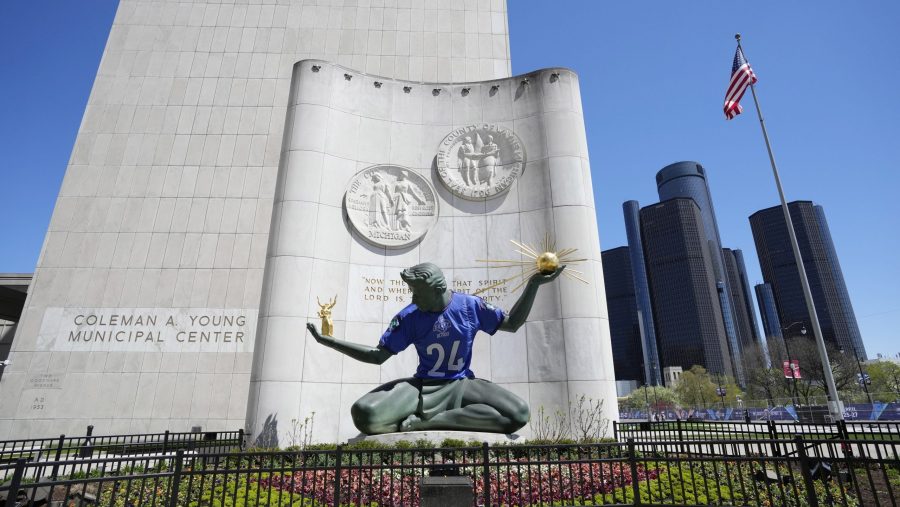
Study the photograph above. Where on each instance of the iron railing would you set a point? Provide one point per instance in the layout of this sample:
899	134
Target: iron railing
42	451
736	471
775	409
694	430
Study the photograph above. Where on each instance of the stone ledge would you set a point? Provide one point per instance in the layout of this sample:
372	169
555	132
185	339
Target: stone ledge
439	436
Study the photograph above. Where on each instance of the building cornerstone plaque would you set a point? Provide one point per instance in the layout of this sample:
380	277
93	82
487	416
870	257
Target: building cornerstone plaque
480	161
390	205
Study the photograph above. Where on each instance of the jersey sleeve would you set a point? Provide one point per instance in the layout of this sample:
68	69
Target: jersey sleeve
397	336
489	316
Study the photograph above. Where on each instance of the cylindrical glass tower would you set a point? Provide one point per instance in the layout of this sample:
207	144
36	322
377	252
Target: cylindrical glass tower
652	371
765	298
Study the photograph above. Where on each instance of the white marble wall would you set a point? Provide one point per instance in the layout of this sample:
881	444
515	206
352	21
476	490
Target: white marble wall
562	351
167	199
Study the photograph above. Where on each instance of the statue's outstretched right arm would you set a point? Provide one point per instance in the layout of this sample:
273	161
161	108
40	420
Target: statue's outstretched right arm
372	355
519	313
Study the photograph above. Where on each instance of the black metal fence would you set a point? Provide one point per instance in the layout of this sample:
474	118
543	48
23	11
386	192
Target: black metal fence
772	430
42	451
797	471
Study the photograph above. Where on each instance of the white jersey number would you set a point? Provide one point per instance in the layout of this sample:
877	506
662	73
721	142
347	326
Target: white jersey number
453	363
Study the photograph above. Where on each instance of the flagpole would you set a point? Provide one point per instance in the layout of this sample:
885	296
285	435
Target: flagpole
834	404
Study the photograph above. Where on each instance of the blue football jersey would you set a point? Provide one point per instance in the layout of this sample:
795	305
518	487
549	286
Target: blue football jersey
443	339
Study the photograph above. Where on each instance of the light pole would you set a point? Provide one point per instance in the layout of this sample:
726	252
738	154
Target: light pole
790	361
656	405
647	401
721	392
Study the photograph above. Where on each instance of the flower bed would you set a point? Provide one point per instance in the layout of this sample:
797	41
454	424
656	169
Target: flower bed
516	484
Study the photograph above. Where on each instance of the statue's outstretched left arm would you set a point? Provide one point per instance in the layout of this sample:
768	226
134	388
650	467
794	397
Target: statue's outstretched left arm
519	313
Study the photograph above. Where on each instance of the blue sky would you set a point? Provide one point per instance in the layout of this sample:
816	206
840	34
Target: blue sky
653	75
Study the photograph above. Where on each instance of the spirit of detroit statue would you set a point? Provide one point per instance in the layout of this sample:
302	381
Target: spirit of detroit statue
444	393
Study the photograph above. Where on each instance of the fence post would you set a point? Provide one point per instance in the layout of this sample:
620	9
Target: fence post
486	471
16	482
616	431
844	437
843	434
87	450
805	471
241	439
632	463
338	457
165	441
176	478
773	436
58	456
680	436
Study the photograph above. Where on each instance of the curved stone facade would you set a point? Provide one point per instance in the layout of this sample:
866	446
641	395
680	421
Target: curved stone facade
340	122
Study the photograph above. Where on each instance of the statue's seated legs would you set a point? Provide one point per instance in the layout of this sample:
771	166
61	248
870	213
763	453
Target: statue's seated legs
384	408
417	405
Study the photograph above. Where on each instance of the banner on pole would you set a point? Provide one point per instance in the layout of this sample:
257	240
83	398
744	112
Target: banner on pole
791	368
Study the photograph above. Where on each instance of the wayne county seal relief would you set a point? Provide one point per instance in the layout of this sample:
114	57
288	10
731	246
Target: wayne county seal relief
480	161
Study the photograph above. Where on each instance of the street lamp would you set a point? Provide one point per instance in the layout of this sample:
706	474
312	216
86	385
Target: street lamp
656	405
721	392
863	378
647	401
745	411
790	361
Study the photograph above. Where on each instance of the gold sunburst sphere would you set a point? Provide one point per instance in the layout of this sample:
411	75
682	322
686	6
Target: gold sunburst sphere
544	259
547	262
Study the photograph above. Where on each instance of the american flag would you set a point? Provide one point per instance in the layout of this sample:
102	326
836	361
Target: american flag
742	76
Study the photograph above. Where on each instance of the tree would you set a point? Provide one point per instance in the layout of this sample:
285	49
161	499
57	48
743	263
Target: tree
766	382
812	381
659	397
695	388
732	390
885	376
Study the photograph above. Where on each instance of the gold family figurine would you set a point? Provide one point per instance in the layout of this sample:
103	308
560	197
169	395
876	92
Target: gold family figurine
325	315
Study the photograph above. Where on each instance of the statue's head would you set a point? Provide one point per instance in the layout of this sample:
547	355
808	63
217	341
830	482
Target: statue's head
428	285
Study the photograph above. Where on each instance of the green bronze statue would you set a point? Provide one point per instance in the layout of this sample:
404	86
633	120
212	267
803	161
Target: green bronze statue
444	393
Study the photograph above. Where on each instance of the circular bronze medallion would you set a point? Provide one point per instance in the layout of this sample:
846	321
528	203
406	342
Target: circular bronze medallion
390	205
480	161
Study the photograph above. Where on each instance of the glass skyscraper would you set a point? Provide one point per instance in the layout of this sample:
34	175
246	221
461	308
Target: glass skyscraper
688	180
744	318
624	327
768	311
685	297
748	294
779	269
644	309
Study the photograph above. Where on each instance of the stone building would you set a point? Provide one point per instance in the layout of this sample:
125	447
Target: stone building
228	172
